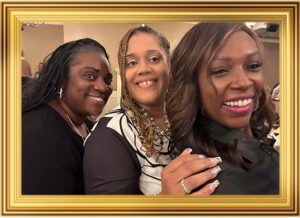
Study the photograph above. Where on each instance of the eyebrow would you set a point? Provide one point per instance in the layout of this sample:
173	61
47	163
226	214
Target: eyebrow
109	74
147	52
90	68
228	58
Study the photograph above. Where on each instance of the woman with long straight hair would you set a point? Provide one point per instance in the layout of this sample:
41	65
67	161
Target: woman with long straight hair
217	105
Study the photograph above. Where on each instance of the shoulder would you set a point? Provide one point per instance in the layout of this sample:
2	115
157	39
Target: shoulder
107	140
113	124
40	117
43	126
109	133
110	164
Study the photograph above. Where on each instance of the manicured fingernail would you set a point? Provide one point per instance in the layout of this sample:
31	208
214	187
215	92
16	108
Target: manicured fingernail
216	160
201	156
188	150
216	170
214	185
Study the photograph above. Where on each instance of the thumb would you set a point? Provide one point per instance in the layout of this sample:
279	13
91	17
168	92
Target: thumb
186	151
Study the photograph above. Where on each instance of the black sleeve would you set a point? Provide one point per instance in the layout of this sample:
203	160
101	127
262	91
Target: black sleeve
110	165
51	163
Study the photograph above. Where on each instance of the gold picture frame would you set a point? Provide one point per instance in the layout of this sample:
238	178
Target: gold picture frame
285	13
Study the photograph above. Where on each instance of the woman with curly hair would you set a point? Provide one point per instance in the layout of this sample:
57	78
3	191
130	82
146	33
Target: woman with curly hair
128	148
218	106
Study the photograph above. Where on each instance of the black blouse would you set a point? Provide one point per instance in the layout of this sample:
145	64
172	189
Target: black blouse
262	177
51	154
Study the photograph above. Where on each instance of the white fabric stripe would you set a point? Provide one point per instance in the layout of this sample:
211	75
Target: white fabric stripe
148	185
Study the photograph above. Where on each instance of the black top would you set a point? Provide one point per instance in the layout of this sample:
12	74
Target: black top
262	177
25	80
51	154
115	163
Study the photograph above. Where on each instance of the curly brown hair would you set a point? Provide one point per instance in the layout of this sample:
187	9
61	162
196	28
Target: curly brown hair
146	132
198	47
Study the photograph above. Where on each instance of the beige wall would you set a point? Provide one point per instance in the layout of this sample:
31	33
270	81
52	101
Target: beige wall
271	63
110	34
38	42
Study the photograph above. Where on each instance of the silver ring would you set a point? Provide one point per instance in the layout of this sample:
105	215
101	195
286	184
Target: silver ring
184	187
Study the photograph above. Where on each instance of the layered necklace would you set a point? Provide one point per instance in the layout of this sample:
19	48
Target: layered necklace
160	133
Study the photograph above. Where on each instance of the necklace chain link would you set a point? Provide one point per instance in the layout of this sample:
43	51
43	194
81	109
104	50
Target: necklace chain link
160	133
75	128
72	124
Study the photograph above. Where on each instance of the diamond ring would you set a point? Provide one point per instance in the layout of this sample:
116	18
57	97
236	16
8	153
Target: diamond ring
184	187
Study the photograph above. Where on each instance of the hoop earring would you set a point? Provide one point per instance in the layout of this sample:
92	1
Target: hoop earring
60	93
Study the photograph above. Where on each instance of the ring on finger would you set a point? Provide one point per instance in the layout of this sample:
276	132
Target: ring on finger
184	187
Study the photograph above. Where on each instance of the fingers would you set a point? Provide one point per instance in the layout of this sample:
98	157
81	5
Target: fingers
185	156
199	179
189	171
208	189
191	167
186	151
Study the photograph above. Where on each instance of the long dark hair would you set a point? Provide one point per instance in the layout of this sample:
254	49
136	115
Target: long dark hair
55	72
198	47
146	132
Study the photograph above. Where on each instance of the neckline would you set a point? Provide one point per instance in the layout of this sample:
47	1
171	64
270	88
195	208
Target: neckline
70	121
75	128
59	115
247	145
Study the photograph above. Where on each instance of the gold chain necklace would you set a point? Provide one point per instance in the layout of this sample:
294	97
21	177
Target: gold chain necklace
75	128
72	124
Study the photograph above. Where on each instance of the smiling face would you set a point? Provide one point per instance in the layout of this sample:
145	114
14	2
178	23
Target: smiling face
147	70
231	84
88	85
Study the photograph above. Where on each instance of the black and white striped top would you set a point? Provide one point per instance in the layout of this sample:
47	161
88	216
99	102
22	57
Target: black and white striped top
115	163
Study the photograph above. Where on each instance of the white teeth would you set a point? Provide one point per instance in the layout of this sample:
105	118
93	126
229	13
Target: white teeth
145	83
97	99
239	103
